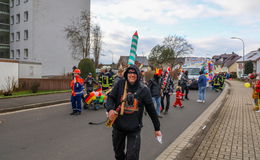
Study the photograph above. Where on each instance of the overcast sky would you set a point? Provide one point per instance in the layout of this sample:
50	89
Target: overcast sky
206	24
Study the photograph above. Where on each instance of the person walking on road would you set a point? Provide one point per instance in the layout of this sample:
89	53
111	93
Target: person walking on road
179	96
184	83
77	86
89	82
216	82
105	79
202	84
127	127
167	91
155	87
119	76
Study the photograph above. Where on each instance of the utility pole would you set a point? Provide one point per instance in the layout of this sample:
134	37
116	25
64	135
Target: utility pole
243	52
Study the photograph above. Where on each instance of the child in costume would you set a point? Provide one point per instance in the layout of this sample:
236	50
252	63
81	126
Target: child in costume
178	99
76	92
256	94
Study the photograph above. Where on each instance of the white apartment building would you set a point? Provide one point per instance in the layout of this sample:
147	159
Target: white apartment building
37	32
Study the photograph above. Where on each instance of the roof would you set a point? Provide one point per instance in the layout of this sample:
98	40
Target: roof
231	60
251	56
140	59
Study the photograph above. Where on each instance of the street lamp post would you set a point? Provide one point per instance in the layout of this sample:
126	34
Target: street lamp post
243	51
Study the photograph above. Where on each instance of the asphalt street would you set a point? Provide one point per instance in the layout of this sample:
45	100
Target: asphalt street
51	133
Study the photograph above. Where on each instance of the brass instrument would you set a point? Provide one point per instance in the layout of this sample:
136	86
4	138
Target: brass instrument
121	108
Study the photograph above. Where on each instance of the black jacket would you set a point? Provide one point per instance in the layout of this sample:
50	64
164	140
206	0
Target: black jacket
132	122
155	87
89	82
184	80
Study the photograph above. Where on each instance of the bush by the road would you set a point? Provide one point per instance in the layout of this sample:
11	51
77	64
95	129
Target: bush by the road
87	65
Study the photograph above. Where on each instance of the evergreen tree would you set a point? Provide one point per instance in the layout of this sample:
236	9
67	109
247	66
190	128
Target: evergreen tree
249	67
86	66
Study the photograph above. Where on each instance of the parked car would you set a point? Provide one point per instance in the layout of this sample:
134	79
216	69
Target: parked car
244	76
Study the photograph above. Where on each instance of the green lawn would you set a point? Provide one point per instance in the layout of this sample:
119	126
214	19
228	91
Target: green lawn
29	93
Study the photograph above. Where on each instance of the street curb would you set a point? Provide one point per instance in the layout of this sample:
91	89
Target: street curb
33	95
36	105
183	146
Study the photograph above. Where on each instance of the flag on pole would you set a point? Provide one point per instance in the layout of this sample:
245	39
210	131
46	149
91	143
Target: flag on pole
133	49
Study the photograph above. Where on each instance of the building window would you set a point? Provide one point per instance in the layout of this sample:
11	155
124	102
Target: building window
12	3
17	36
17	18
12	54
25	34
25	52
12	37
18	54
12	20
25	16
17	2
25	1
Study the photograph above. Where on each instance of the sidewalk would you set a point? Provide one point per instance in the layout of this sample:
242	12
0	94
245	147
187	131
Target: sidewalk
13	104
228	129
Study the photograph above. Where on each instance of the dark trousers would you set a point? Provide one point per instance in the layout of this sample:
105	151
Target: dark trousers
167	101
132	148
89	89
186	89
76	102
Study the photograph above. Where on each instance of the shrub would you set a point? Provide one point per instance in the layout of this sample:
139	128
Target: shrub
233	74
87	65
249	67
9	86
35	87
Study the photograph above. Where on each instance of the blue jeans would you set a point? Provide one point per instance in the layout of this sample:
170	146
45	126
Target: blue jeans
202	93
157	104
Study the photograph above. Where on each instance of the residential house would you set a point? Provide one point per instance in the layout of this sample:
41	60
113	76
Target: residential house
225	62
253	56
123	61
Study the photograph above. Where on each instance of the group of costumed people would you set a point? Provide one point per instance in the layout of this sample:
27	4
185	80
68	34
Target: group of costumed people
83	90
218	81
254	82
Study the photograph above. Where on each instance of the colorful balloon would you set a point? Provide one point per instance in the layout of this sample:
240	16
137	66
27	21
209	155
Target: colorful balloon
247	85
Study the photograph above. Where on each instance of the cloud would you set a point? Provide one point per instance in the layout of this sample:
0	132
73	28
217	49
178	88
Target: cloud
145	44
156	19
218	45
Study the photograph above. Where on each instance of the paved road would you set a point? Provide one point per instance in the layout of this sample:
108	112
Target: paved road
51	133
28	100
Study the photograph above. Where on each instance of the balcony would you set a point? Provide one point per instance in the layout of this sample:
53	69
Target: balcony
4	8
4	46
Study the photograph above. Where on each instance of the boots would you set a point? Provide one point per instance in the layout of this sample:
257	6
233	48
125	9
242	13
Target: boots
73	112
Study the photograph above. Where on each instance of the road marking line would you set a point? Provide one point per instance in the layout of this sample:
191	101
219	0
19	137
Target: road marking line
31	109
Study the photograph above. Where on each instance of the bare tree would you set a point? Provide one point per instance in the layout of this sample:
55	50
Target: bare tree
97	43
172	48
78	34
179	45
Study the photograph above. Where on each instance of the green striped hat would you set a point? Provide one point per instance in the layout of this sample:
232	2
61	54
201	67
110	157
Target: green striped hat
132	57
